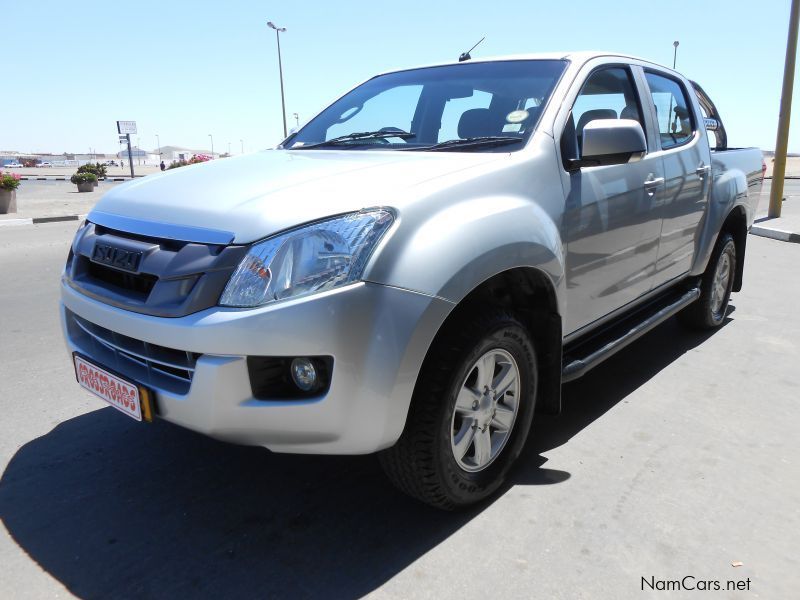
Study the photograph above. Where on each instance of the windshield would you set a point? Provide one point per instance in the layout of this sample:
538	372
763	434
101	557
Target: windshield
467	106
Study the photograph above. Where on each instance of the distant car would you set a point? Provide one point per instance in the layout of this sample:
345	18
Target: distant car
13	165
111	163
45	164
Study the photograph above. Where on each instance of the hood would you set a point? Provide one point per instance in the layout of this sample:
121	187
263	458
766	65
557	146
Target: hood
249	197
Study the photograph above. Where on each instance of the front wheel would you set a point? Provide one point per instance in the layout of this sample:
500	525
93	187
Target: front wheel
710	309
470	414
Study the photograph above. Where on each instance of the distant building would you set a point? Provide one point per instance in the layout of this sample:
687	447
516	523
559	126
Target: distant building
170	153
141	157
138	153
65	159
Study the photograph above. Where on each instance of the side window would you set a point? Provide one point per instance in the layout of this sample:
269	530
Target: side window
607	94
675	120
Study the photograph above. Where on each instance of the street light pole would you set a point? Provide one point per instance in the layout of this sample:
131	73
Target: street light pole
212	145
675	45
278	31
782	141
296	119
158	139
242	143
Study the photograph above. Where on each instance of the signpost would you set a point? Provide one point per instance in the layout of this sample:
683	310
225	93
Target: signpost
127	128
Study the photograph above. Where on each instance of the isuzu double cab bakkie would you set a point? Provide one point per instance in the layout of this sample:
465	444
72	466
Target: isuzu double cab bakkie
417	270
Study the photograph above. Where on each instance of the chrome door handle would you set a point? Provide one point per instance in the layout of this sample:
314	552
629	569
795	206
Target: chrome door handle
702	170
656	181
651	183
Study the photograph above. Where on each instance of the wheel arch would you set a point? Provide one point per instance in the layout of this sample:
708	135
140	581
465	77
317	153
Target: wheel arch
736	224
529	293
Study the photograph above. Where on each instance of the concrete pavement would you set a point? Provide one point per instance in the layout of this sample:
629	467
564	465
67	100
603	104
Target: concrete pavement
675	458
53	199
785	228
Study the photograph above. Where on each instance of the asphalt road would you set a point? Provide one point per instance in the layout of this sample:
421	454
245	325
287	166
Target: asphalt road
673	459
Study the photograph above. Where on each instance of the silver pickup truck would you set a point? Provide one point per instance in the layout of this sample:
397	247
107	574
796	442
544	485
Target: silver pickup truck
417	270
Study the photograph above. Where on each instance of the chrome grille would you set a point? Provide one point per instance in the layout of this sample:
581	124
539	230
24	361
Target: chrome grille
157	366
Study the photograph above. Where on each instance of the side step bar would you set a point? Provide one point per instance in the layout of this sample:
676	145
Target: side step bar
576	367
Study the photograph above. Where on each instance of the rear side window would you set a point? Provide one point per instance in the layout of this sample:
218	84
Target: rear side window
675	120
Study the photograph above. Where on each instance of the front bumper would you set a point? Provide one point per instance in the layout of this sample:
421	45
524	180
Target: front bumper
377	336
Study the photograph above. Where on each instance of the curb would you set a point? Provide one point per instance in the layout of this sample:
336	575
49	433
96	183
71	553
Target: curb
39	220
13	222
776	234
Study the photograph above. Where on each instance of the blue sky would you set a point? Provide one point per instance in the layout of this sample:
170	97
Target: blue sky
184	70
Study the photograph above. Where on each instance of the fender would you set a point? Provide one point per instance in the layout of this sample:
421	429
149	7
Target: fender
729	189
467	242
454	251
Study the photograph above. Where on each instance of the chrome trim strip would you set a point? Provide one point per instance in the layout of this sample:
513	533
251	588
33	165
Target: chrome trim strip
170	231
135	354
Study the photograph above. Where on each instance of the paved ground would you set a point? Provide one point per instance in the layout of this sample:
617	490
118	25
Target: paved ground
37	199
67	171
787	226
675	458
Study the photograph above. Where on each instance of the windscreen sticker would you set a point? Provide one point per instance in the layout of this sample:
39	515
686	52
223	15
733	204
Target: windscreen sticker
512	127
517	116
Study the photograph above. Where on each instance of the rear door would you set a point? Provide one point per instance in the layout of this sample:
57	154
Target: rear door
610	227
687	169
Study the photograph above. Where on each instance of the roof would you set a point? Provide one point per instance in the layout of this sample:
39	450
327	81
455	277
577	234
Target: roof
576	57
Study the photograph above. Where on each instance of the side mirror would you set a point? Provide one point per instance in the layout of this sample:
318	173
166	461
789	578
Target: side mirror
611	142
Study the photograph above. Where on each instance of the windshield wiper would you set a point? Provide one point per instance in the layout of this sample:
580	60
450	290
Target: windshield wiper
354	137
472	142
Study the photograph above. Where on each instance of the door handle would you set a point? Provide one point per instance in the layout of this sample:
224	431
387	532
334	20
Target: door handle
651	183
702	170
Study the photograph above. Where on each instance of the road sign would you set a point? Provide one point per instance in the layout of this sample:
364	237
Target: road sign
126	127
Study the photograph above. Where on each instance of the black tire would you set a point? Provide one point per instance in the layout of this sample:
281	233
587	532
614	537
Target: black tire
422	463
703	314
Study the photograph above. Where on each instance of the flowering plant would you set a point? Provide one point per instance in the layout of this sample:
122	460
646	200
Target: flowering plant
9	181
98	169
196	159
83	178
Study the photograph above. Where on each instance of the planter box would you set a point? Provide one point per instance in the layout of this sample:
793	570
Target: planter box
86	187
8	201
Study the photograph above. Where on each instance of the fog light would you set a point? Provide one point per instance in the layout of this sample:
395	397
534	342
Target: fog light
304	374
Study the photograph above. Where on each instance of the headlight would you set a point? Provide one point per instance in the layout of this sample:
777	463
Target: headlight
311	259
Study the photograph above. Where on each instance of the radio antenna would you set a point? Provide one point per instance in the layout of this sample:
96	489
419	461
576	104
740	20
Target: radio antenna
466	55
